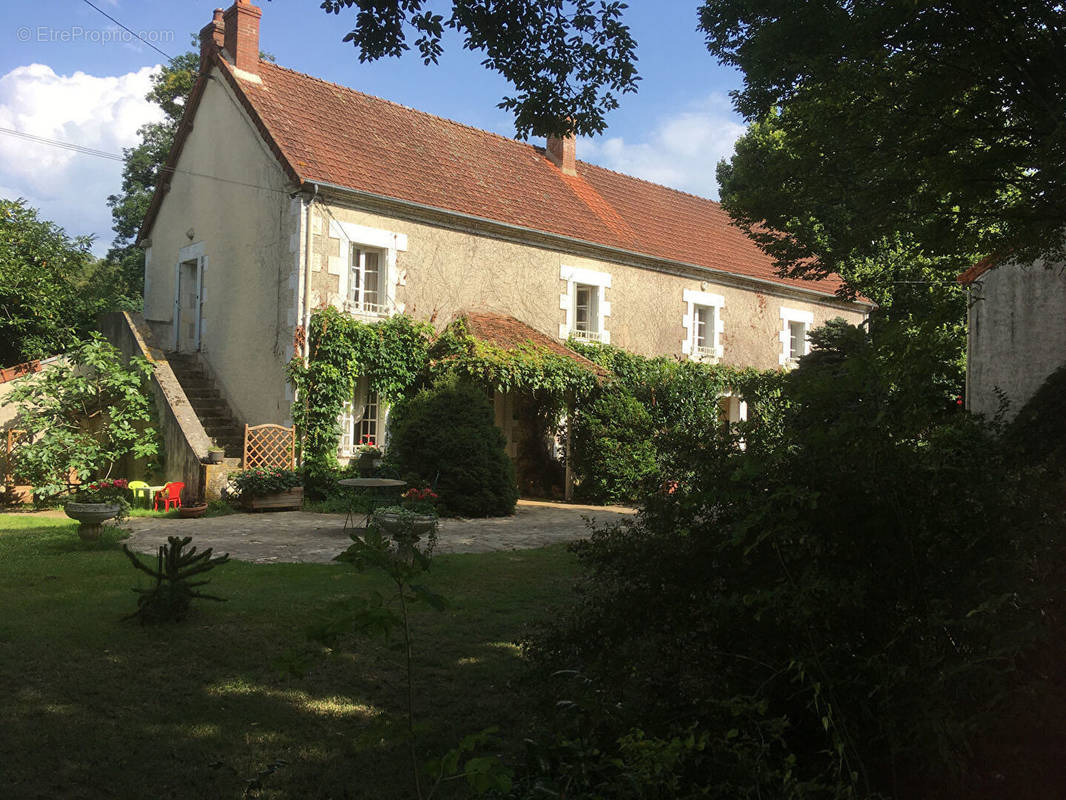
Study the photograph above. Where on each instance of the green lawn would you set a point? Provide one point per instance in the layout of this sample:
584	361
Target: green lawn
94	707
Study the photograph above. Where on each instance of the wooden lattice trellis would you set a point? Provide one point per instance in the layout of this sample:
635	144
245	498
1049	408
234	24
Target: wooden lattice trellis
15	438
269	446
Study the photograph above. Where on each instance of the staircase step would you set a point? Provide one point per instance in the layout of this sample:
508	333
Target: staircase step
221	422
210	407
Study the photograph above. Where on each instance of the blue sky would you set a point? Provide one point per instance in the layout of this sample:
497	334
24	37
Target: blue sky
68	73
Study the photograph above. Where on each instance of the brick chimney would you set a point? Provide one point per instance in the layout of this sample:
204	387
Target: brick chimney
240	23
211	39
563	153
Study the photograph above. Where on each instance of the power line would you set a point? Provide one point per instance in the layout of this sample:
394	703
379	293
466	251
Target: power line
90	151
77	148
129	30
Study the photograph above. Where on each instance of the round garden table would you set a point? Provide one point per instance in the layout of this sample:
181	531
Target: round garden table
374	487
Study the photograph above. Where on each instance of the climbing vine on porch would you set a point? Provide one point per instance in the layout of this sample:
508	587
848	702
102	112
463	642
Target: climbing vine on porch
528	368
398	356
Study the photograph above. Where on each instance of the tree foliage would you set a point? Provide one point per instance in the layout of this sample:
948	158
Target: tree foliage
83	415
843	605
51	286
625	435
568	60
942	121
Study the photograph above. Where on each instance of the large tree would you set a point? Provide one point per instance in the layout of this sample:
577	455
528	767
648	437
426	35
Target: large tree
568	60
51	285
937	126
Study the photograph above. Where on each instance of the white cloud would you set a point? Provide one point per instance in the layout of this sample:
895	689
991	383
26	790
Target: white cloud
681	151
101	112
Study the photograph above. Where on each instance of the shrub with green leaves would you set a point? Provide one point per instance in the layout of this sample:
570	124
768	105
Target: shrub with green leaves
83	415
859	589
446	434
613	448
173	591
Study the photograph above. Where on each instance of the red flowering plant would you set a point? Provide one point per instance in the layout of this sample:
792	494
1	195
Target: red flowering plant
367	447
113	492
421	501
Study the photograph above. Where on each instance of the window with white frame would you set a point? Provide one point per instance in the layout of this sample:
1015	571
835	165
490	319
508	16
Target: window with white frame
585	317
365	280
361	421
703	330
585	305
795	325
703	325
367	268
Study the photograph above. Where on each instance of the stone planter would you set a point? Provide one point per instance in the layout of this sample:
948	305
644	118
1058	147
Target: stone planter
215	456
393	523
91	516
292	499
368	465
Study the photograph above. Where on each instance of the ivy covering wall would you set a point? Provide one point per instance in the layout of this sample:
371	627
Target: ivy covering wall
398	356
614	460
626	437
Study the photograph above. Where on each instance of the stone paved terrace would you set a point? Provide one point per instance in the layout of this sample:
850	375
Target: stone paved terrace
301	536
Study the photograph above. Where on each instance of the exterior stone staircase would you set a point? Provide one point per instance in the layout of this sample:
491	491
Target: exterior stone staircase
214	413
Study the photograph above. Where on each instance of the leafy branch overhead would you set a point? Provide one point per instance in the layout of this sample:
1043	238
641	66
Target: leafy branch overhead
568	60
942	121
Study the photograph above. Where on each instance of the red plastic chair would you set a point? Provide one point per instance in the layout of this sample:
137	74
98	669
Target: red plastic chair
170	495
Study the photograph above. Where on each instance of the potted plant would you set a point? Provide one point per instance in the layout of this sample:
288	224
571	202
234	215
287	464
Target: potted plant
265	488
193	510
420	501
369	458
215	453
95	502
406	528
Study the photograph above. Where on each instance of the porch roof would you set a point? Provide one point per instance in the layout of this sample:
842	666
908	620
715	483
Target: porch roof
508	333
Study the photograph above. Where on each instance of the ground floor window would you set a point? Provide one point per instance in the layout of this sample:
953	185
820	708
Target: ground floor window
361	421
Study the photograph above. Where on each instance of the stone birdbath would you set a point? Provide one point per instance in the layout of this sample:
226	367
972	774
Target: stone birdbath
91	516
406	528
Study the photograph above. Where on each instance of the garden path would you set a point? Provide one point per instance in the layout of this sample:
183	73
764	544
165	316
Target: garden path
301	536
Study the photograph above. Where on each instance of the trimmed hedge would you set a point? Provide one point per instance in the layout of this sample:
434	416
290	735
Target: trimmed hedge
447	434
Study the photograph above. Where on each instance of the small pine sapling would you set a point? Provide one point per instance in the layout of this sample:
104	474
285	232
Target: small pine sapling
169	599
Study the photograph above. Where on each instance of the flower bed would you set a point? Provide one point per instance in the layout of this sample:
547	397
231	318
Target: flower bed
263	489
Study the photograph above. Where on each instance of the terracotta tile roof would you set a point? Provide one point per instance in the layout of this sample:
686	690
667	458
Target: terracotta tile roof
979	269
509	333
326	133
18	370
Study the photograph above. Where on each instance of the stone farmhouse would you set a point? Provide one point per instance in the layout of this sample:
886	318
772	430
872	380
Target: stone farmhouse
285	193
